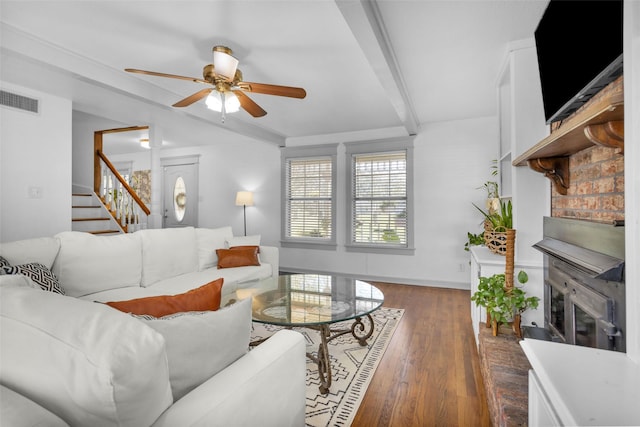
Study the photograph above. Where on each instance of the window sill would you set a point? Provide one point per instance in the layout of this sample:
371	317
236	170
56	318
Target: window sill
325	246
377	249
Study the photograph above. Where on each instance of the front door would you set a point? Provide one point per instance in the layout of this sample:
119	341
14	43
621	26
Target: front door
180	193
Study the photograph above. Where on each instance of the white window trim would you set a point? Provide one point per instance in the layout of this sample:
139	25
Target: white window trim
374	147
287	153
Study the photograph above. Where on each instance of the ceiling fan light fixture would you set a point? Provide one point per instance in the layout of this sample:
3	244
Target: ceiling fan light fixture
231	101
144	143
225	64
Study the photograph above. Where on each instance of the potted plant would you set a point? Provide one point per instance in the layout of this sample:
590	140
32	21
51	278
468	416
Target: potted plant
499	232
519	302
504	305
490	295
502	220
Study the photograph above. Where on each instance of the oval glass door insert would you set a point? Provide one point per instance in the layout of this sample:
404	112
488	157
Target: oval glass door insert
179	199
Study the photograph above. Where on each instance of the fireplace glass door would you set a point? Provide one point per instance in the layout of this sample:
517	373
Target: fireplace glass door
556	311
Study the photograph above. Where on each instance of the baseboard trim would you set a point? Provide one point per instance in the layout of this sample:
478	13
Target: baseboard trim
370	278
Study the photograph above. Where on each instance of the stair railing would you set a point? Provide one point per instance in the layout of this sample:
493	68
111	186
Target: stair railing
122	201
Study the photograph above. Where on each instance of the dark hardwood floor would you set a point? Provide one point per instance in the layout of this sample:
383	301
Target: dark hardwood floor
430	373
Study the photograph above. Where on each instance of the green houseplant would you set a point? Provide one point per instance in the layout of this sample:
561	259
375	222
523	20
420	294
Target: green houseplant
504	305
473	240
502	220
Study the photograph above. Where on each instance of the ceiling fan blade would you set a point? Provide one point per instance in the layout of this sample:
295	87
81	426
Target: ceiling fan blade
249	105
193	98
172	76
291	92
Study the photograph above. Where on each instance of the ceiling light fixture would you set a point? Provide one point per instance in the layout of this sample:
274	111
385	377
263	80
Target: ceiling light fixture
144	143
223	102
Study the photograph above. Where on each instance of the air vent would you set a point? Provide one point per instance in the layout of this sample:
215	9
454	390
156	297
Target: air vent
20	102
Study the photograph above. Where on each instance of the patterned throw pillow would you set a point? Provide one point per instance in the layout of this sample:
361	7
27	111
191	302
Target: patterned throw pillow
3	263
39	273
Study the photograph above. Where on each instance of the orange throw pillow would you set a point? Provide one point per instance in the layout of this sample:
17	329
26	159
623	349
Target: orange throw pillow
204	298
238	256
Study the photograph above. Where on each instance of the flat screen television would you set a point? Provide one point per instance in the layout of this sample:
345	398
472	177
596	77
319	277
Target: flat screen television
579	49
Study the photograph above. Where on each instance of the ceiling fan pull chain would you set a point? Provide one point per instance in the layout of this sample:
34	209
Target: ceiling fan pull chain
224	109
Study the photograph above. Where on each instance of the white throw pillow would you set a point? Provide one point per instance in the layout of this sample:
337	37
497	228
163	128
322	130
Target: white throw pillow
87	363
201	344
42	250
244	241
167	252
210	239
87	264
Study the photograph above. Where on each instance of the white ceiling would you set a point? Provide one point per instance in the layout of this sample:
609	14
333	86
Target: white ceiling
386	67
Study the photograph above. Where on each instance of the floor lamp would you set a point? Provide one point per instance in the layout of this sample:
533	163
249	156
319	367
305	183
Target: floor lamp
244	199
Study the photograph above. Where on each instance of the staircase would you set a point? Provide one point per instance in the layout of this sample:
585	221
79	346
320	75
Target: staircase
88	214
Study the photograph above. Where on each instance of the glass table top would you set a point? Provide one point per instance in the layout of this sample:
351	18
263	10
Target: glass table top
310	299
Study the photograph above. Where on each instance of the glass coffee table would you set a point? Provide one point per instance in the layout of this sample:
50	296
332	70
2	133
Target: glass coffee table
316	301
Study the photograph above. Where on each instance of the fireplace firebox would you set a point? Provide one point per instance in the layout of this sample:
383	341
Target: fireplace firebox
584	286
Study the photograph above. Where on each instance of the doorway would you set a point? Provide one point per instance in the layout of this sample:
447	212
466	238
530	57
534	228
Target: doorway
180	192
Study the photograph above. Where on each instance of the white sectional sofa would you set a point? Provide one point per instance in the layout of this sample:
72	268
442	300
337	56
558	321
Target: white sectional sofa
72	360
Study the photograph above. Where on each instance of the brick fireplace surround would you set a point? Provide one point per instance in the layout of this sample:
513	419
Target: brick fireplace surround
596	190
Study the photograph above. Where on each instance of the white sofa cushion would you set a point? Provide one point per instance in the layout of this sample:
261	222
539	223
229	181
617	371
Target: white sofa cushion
17	280
87	263
201	344
167	253
42	250
85	362
18	411
210	239
185	282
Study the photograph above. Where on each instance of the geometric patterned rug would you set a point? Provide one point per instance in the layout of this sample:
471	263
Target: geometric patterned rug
352	367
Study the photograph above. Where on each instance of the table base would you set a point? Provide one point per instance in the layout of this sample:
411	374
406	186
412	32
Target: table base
358	330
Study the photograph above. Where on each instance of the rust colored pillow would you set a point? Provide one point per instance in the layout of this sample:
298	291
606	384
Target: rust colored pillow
204	298
238	256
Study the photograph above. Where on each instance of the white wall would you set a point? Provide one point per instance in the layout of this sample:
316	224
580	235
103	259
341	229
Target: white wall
140	160
84	127
225	169
35	157
451	160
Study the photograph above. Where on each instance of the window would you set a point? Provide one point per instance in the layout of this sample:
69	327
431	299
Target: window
309	196
381	188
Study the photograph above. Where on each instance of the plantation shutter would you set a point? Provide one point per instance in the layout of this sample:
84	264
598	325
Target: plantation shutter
379	194
309	198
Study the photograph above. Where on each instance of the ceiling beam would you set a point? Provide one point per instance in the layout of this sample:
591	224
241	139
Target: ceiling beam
364	19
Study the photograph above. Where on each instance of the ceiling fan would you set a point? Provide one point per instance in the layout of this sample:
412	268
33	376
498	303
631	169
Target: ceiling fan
227	91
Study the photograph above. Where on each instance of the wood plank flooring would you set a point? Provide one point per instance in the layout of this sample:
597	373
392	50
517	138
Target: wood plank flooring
430	373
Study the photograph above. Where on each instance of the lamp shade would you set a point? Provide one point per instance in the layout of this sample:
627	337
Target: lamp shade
244	198
225	64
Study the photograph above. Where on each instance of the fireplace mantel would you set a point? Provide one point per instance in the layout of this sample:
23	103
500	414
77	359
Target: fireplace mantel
600	121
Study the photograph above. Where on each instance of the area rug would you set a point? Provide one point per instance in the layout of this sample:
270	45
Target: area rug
352	367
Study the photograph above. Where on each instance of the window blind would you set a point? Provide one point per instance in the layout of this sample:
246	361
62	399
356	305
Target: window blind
379	197
309	198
